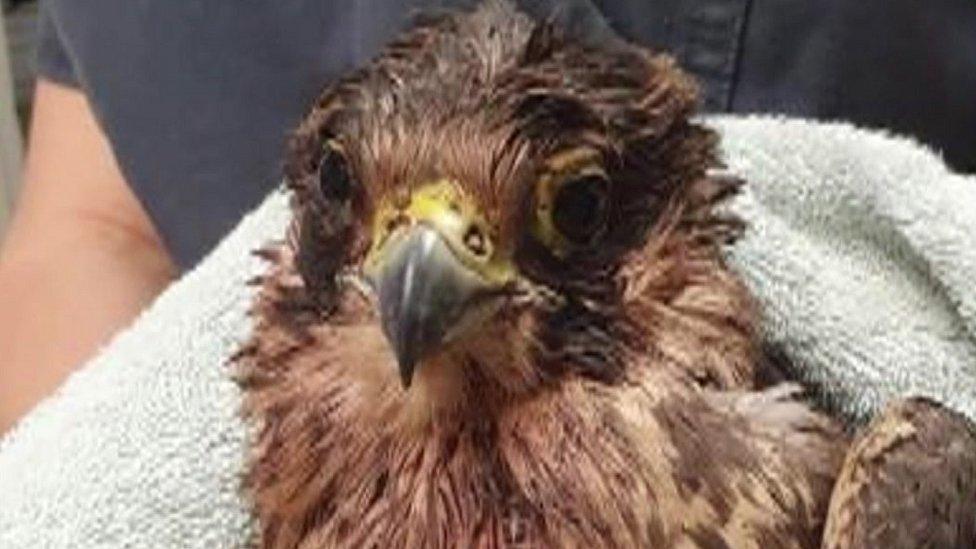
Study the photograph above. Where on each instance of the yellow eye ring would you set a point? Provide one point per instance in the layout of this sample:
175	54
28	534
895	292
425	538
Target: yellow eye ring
571	202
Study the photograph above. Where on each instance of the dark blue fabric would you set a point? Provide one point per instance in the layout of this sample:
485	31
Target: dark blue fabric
197	97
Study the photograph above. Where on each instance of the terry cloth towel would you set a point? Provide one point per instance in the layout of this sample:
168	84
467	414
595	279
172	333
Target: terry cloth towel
862	250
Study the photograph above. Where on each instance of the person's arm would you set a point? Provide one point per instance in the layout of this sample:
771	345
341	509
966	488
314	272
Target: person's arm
81	257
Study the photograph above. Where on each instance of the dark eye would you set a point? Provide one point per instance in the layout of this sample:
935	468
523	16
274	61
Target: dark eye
335	181
580	206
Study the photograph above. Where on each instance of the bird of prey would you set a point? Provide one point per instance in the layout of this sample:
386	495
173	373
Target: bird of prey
501	318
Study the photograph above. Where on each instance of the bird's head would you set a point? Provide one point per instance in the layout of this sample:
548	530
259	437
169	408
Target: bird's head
513	201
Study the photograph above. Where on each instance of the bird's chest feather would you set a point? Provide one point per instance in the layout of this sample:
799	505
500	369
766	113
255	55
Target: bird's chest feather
537	478
344	459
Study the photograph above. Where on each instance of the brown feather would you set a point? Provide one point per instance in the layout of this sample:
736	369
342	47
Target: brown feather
612	403
909	481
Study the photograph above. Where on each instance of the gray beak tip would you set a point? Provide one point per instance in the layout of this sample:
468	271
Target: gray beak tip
407	366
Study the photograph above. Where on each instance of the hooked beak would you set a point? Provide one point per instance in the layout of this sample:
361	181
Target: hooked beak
423	291
430	286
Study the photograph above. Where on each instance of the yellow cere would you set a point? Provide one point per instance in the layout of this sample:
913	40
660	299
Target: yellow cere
560	168
443	206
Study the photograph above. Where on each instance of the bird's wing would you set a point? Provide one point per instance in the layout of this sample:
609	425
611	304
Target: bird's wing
909	480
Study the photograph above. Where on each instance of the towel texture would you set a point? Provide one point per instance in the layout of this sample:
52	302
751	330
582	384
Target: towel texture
861	249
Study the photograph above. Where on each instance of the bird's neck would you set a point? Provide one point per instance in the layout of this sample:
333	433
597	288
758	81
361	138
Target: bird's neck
488	475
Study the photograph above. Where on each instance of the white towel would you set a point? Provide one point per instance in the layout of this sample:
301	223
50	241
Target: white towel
862	249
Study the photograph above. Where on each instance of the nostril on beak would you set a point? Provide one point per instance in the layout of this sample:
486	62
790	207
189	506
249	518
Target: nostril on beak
476	241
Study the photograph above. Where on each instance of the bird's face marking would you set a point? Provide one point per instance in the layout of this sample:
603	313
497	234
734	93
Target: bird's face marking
497	192
451	212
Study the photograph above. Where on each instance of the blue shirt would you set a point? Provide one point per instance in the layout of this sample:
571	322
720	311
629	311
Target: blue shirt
197	97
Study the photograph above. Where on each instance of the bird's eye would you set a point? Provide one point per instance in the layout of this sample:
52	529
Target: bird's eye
579	208
572	202
335	180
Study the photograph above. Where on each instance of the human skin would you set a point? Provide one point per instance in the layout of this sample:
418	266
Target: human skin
80	258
